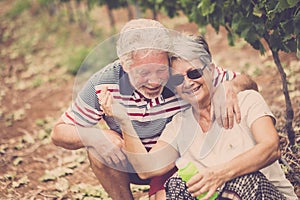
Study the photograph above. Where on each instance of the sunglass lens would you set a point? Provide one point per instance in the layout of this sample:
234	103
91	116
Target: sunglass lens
194	74
176	79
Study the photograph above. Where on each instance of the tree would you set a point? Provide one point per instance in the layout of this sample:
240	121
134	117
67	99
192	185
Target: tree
113	4
276	21
170	6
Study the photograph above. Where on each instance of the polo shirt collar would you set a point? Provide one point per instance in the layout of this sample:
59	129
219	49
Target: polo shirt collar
127	89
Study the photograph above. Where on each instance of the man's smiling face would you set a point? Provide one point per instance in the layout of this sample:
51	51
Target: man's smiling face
148	73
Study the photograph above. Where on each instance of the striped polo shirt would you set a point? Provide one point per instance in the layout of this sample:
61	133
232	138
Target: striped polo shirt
148	116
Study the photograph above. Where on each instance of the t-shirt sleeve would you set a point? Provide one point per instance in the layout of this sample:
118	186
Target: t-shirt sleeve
255	107
85	110
221	75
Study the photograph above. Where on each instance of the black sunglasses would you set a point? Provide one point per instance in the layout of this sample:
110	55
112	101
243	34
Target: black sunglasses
178	79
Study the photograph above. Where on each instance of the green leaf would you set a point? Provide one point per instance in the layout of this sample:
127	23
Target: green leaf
10	176
297	24
40	122
206	7
17	161
3	148
28	139
22	181
87	191
275	41
62	184
56	173
293	3
257	11
230	38
290	45
42	134
19	114
246	33
47	177
285	4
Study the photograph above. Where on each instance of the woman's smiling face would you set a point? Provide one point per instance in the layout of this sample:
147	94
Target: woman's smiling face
194	91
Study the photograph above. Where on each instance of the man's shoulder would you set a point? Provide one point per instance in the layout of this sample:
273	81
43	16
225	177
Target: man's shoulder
110	74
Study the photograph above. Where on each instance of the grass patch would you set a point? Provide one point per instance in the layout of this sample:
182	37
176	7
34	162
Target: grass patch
76	58
37	82
19	7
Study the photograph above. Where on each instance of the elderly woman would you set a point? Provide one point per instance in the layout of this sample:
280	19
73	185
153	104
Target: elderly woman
239	163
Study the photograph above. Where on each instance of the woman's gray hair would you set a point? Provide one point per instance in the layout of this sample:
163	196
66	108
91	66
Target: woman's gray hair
191	48
142	34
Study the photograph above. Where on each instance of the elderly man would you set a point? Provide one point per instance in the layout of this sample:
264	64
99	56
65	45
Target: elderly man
139	80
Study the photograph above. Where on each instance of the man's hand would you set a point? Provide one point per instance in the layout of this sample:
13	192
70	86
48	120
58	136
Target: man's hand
226	105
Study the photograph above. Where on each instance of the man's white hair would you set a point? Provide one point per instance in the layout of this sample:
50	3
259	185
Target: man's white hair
144	35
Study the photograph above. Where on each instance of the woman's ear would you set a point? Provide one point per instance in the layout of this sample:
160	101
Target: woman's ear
211	67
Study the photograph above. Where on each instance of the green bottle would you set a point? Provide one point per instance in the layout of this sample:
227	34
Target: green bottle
188	172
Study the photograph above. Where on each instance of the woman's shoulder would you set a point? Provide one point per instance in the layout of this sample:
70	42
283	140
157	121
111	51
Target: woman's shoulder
253	105
249	96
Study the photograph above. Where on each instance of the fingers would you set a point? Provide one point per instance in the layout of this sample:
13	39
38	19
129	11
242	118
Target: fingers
99	156
113	158
117	157
122	159
102	97
202	190
195	179
202	185
237	112
225	120
107	104
105	101
228	118
232	110
196	184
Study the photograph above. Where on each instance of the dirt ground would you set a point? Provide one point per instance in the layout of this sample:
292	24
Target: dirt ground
31	167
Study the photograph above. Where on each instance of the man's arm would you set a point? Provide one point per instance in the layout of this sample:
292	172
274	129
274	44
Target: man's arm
106	144
243	82
66	136
227	106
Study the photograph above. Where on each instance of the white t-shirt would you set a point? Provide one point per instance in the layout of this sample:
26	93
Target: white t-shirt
221	145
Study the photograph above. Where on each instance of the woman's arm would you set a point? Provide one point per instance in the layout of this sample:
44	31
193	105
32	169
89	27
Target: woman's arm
159	160
264	153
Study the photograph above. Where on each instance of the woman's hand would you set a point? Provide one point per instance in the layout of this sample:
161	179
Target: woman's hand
111	107
206	181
